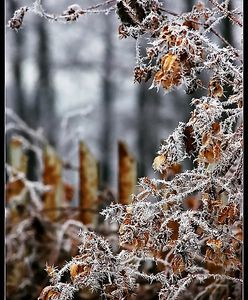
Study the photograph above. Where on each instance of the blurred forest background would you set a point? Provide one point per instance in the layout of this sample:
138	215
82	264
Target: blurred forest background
75	82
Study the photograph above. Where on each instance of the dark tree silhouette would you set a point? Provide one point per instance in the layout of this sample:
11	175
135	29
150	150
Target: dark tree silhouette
17	59
107	101
44	99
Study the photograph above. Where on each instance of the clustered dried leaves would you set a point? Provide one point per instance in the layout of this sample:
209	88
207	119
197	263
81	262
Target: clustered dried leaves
183	232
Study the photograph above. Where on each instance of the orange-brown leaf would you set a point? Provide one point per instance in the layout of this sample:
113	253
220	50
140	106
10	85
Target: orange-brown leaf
189	139
49	293
14	188
159	163
215	89
192	202
174	227
76	270
168	61
228	214
216	127
69	191
177	264
192	24
214	244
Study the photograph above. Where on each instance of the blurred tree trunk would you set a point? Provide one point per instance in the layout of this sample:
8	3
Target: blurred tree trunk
44	114
18	91
148	139
107	100
227	28
227	33
17	59
189	4
43	109
185	107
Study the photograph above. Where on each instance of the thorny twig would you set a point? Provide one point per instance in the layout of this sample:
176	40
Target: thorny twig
206	26
226	12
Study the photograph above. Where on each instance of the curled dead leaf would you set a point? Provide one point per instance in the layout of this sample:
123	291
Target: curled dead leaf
168	62
192	23
206	137
215	89
214	244
159	163
169	172
211	150
215	127
170	72
192	202
239	233
49	293
50	270
177	264
189	139
14	188
129	209
78	270
174	227
228	214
